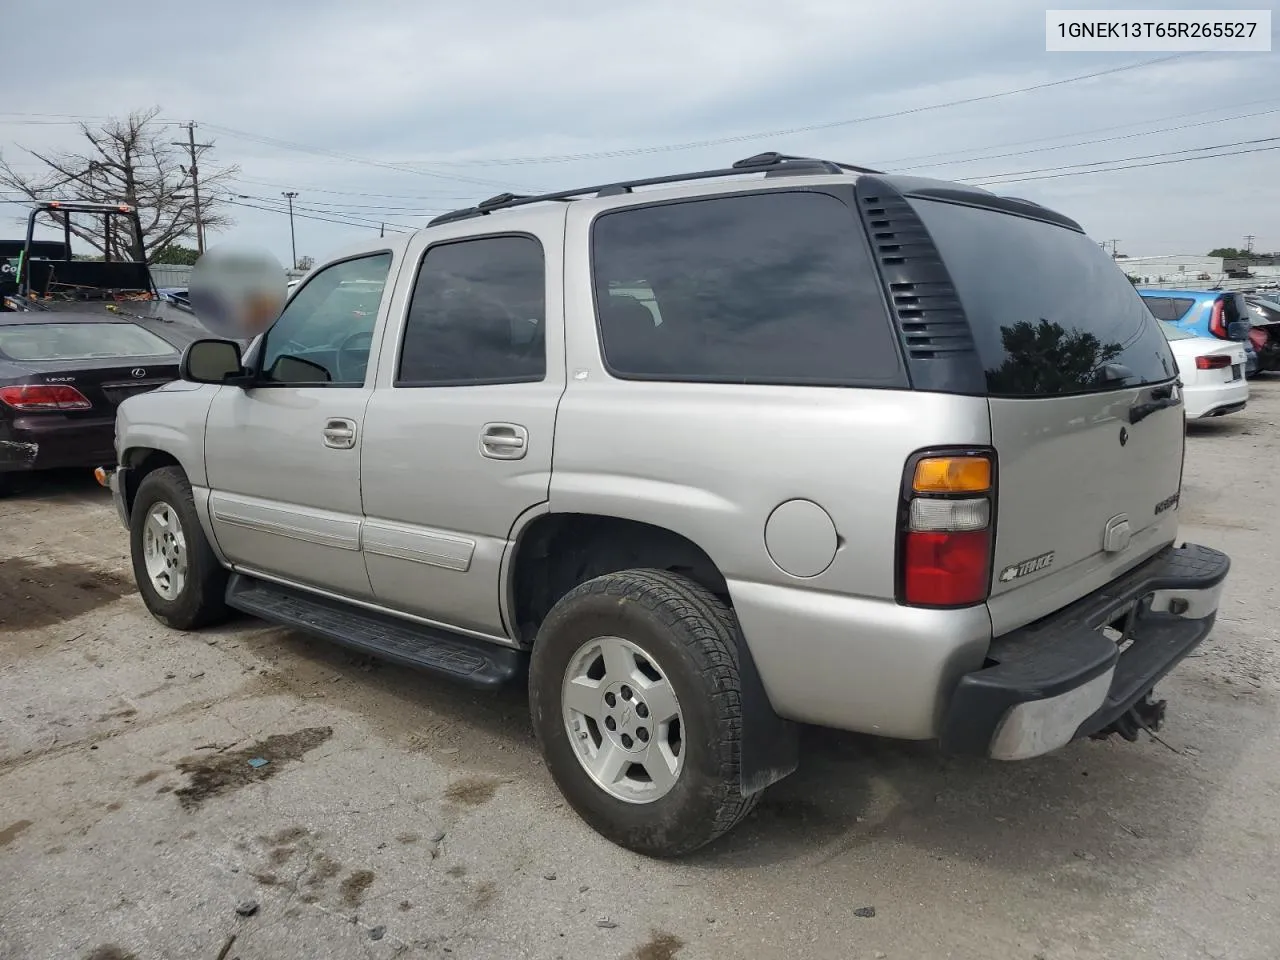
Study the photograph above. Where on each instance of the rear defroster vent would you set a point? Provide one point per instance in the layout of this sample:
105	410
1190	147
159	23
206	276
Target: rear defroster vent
930	319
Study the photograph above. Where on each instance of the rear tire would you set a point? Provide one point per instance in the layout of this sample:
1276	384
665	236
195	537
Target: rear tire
655	770
180	580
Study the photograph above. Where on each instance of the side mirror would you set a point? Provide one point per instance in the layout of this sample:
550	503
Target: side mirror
1238	330
290	369
211	361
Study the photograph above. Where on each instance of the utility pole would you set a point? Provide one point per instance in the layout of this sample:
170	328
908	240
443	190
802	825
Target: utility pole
1113	247
293	242
194	172
1248	242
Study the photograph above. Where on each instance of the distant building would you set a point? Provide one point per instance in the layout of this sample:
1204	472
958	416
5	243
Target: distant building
1197	273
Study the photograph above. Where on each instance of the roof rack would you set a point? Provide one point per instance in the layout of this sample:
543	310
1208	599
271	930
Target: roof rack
770	164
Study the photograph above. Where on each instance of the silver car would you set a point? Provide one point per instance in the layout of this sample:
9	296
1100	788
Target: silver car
713	455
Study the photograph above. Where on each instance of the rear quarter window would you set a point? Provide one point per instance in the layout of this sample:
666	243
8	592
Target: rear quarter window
769	288
1051	313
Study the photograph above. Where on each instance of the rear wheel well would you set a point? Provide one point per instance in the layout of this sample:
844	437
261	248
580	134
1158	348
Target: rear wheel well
558	551
141	461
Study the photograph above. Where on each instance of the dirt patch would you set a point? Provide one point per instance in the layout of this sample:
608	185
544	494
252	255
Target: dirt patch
110	952
11	832
457	870
408	837
323	868
147	777
661	946
472	791
353	888
34	595
485	894
213	776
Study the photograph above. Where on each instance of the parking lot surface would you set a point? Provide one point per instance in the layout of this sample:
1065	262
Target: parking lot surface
399	815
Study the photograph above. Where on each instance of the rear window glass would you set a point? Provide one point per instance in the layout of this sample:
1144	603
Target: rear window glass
1051	313
1168	308
1175	333
776	288
79	341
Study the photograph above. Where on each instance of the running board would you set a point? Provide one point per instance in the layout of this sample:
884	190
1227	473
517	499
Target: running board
475	662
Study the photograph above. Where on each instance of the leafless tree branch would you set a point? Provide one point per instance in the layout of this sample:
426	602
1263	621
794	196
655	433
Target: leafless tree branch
132	161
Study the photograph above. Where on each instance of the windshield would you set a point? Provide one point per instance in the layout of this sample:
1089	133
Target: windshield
1051	313
79	341
1175	333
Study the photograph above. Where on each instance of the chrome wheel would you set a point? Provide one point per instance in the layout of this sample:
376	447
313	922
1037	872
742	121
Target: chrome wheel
164	550
623	719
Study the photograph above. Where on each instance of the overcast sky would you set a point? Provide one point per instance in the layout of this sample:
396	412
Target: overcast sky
427	99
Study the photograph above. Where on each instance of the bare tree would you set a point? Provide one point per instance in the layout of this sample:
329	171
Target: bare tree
128	161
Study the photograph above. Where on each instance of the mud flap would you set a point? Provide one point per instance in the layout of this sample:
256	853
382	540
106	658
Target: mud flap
770	744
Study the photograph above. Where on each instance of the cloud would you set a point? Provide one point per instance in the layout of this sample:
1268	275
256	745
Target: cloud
449	88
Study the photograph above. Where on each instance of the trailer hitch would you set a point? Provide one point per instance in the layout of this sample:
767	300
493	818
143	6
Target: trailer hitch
1146	714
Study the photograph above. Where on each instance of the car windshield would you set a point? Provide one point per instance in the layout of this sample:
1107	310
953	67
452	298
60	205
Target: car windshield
1175	333
79	341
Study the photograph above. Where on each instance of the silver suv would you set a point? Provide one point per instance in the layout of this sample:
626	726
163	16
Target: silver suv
714	455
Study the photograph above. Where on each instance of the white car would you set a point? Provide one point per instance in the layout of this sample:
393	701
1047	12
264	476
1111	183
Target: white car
1212	372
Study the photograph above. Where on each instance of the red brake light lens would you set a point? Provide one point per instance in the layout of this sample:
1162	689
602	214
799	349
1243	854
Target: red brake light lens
1218	321
946	569
44	396
1213	362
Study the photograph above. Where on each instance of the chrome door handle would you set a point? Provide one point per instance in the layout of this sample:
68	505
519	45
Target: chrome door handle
504	441
340	434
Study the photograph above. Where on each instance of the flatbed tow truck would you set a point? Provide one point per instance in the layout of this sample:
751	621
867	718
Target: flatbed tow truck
43	274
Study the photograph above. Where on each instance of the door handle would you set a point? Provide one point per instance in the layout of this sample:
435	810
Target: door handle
504	441
340	433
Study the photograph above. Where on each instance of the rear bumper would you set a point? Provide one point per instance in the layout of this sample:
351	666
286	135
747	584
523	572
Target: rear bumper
53	442
1214	400
1063	678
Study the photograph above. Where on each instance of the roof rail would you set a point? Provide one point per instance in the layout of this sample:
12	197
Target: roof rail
770	164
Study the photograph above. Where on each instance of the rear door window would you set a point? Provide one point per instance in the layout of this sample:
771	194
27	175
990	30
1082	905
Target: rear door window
770	288
1168	308
1051	313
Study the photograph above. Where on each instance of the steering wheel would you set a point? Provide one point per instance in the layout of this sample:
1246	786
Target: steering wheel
351	369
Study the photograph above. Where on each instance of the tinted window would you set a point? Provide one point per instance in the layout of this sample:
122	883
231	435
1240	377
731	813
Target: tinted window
478	315
766	288
1051	313
1175	333
80	341
1178	306
326	329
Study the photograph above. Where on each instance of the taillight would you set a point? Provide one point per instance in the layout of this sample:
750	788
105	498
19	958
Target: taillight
1218	320
944	551
44	396
1213	362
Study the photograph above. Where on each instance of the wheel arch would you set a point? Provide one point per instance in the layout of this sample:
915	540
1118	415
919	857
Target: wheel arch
555	552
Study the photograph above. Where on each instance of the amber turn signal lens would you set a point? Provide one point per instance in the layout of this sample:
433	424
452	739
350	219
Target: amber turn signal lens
952	475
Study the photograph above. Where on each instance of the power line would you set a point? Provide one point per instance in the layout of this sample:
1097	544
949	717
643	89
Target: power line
987	178
1085	143
367	224
809	128
1061	136
406	167
1138	166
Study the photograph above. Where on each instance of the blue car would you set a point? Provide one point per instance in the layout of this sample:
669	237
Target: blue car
1220	314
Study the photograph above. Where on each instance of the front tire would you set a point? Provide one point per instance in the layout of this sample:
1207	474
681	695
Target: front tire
636	703
181	581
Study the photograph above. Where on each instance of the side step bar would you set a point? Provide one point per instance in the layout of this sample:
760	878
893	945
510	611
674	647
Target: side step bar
474	662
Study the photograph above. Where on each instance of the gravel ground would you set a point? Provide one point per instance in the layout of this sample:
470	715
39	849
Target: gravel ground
399	815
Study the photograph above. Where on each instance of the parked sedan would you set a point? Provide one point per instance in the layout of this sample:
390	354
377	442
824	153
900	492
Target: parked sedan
1212	373
63	373
1219	314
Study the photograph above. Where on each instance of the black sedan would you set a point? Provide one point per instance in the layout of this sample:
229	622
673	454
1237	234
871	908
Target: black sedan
62	374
